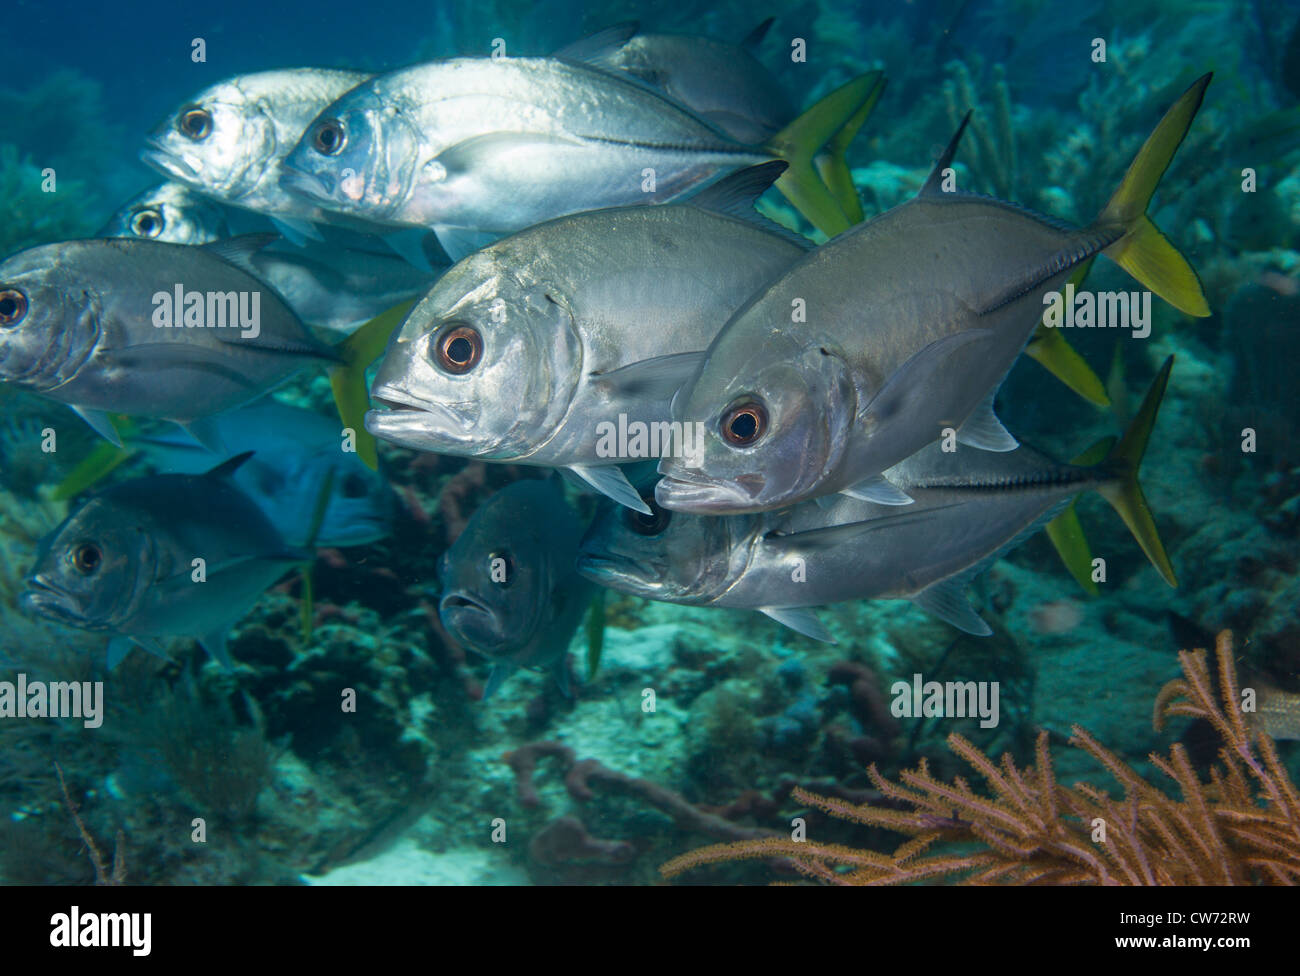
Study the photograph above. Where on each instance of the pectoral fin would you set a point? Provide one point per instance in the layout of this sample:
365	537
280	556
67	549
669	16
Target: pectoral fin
911	386
652	379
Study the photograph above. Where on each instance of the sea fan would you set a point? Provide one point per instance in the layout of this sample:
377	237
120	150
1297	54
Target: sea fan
1242	827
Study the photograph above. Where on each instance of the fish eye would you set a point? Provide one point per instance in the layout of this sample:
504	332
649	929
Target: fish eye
501	568
354	486
13	306
743	423
329	137
86	558
195	123
459	348
147	223
652	524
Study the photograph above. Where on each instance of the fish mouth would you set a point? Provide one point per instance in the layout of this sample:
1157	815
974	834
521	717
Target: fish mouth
471	621
698	493
168	163
44	600
617	571
316	186
420	424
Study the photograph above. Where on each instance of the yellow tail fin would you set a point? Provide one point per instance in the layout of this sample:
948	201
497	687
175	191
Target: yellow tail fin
800	141
348	379
1125	493
1143	251
833	165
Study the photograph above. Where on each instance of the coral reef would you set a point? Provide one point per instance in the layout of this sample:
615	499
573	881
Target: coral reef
1242	827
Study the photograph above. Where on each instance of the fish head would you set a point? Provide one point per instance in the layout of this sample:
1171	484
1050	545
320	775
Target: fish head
49	323
93	570
485	365
500	576
222	141
775	417
169	212
671	556
359	157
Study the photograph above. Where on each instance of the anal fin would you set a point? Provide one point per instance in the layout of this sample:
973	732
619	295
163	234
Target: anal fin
610	481
100	423
801	620
947	601
878	489
983	430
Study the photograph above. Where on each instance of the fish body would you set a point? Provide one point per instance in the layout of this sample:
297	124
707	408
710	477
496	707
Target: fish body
721	82
494	145
874	344
84	328
162	556
577	322
510	590
338	282
293	452
229	140
969	507
848	549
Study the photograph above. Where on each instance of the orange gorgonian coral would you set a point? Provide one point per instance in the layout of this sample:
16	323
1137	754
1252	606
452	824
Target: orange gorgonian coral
1242	827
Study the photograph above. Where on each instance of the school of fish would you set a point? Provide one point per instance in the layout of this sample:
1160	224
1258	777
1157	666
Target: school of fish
558	261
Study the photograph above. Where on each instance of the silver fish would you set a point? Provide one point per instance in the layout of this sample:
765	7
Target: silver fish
230	139
523	351
476	148
170	212
721	82
124	563
509	587
970	507
338	282
79	323
912	321
339	288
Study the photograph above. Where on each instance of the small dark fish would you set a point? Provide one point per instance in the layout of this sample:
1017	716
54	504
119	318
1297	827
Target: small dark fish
126	563
510	588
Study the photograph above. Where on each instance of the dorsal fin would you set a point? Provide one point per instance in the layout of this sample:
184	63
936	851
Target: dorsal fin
595	48
227	468
934	183
736	194
755	37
